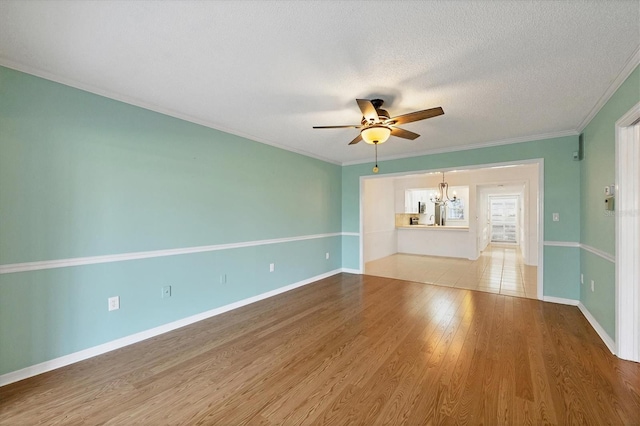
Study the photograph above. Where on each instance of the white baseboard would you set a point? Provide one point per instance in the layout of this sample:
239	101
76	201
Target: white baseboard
351	271
608	341
561	300
598	328
65	360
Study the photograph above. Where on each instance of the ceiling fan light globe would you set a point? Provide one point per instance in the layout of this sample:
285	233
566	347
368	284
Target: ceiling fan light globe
375	134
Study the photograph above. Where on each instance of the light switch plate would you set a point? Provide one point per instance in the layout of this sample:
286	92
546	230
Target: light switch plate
556	217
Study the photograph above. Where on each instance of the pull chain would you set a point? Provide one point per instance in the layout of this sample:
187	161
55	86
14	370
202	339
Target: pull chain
375	169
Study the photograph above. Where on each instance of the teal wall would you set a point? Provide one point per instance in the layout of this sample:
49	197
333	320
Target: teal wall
561	195
601	301
82	175
598	226
598	165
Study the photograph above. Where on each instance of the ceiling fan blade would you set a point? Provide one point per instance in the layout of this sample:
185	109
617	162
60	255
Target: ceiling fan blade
405	134
356	140
349	126
416	116
368	110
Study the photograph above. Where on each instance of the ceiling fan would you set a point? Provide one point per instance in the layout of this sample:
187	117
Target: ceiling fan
376	124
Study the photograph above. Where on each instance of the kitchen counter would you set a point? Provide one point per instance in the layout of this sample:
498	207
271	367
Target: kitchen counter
449	241
433	227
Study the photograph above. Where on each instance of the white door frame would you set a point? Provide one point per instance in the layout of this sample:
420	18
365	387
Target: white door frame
539	212
627	211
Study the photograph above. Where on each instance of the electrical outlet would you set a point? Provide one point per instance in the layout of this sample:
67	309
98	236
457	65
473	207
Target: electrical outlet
114	303
166	291
272	267
326	256
581	278
556	217
593	286
223	278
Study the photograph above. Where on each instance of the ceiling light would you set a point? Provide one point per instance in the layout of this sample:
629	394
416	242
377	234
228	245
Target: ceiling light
442	197
375	134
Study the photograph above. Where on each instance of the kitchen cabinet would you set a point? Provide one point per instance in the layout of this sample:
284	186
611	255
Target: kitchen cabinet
414	196
449	241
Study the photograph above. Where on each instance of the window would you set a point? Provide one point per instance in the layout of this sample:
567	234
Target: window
455	210
504	221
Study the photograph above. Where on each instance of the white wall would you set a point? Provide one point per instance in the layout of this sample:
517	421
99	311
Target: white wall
379	223
483	220
523	238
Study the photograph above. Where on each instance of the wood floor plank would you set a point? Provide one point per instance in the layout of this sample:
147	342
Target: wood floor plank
524	387
363	325
485	409
307	400
466	403
350	349
424	401
375	392
506	388
544	411
400	404
468	363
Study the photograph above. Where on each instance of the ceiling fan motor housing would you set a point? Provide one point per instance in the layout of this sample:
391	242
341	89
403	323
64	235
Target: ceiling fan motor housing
382	113
377	125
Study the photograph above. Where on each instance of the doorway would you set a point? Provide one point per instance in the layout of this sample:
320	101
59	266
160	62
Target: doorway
387	232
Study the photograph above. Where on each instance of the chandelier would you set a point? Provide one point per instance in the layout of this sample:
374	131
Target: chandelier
442	196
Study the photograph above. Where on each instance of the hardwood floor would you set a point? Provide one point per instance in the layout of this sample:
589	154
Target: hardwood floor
350	349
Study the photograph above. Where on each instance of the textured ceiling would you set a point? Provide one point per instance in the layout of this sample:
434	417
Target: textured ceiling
270	70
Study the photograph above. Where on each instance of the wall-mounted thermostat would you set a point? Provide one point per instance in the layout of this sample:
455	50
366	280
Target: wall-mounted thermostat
609	203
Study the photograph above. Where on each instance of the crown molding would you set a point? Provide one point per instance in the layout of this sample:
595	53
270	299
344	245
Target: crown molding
627	69
509	141
151	107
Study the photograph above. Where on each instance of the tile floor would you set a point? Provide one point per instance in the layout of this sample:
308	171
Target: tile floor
499	269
